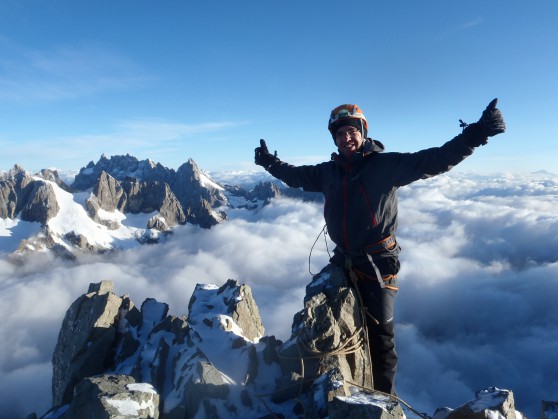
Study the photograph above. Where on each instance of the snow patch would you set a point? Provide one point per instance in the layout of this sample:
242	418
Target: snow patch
130	407
14	231
206	182
111	216
143	387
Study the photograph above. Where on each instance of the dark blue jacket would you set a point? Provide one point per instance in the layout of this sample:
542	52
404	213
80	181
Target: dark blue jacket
361	193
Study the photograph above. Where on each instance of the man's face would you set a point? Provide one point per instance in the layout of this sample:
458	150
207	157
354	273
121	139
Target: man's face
348	140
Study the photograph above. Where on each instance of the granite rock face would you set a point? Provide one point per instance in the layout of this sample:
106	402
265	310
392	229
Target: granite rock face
129	185
488	403
113	397
41	205
108	193
327	336
217	363
22	193
8	199
135	197
85	340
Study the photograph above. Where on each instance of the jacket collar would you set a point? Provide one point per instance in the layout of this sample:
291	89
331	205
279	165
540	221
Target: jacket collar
369	148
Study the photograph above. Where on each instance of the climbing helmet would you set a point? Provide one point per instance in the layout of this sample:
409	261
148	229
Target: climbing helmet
347	115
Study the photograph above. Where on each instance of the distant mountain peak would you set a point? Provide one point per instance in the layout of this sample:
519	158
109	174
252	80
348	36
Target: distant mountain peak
117	199
13	172
121	167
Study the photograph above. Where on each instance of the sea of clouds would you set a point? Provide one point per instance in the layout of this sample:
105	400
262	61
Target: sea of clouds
477	305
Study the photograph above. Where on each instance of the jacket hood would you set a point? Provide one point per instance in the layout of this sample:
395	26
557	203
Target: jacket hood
372	146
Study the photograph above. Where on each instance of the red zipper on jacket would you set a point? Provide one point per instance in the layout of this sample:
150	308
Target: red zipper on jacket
365	196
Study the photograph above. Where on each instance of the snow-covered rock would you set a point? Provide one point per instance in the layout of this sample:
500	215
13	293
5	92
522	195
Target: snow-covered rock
115	358
488	403
115	203
112	397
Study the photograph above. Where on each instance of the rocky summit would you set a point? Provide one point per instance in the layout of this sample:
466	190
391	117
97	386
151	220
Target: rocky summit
114	359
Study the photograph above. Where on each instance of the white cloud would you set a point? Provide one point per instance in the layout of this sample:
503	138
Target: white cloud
470	24
476	306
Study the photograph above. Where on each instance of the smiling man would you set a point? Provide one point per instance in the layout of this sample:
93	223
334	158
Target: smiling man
360	187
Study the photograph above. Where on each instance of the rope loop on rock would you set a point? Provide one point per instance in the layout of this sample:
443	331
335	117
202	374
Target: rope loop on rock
391	396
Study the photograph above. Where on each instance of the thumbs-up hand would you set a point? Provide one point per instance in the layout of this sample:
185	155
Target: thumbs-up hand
263	157
492	121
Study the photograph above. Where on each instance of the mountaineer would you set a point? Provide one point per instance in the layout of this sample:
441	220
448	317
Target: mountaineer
360	185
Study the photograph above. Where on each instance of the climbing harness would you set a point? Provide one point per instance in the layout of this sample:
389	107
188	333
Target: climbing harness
375	248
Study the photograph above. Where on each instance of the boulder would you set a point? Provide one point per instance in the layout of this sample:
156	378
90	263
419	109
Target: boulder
232	299
326	335
488	403
364	405
79	241
113	397
85	340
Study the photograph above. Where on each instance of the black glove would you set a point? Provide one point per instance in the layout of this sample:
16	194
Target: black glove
263	157
491	123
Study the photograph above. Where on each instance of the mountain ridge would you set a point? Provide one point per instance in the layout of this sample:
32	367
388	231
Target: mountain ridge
127	200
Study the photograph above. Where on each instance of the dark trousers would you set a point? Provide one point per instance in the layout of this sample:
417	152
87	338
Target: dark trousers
379	303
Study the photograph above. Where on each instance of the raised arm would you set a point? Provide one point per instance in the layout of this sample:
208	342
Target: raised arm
307	177
434	161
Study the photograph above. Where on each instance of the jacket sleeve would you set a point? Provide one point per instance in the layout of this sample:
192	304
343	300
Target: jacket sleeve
308	178
432	161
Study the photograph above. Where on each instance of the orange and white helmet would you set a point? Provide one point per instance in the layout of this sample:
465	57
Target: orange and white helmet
347	115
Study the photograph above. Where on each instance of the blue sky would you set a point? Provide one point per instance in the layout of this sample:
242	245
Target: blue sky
175	80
